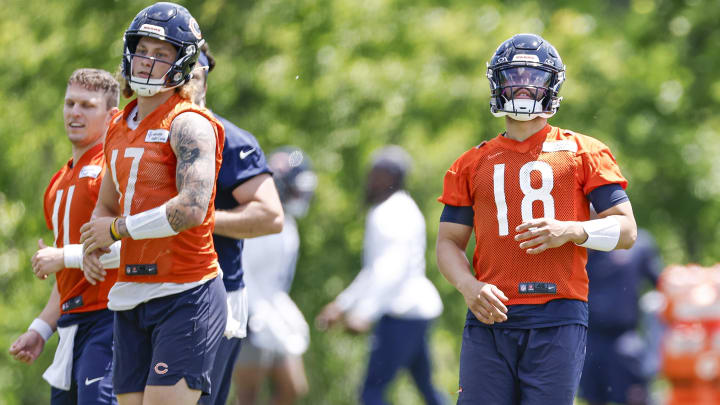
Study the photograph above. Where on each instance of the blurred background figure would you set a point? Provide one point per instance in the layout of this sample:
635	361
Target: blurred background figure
247	205
691	346
278	334
391	289
623	337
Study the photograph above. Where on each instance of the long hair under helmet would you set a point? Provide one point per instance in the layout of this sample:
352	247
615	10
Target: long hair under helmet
525	75
168	22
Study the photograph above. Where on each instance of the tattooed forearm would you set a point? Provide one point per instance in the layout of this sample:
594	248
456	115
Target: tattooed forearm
192	138
176	219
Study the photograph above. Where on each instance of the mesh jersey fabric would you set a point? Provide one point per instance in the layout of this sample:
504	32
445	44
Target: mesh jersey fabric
507	182
143	168
68	203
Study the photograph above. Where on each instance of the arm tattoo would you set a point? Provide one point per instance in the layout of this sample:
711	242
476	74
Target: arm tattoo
192	138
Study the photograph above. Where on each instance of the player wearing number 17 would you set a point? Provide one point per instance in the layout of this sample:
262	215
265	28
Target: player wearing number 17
163	155
526	193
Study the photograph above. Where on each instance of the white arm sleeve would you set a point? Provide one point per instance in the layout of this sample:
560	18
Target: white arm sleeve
603	234
73	256
150	224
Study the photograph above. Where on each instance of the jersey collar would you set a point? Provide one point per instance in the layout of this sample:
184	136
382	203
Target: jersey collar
524	146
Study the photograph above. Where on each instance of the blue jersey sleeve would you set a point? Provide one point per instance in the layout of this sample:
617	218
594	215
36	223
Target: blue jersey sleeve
243	158
607	196
458	215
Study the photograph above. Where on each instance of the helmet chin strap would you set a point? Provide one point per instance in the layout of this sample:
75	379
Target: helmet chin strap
522	110
152	87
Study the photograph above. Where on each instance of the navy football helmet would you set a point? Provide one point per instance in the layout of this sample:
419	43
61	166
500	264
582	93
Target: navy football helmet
525	75
168	22
294	178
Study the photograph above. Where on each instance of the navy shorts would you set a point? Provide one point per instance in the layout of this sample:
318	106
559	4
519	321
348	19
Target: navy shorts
503	366
612	373
92	360
222	370
169	338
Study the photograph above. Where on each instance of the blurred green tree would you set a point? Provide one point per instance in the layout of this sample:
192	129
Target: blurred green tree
341	78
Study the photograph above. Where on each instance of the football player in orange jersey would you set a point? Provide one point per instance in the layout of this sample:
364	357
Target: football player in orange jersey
81	372
526	194
163	155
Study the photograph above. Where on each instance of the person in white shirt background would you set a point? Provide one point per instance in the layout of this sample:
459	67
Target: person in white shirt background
391	290
278	334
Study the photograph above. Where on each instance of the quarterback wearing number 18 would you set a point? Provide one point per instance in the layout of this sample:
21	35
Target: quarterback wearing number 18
526	194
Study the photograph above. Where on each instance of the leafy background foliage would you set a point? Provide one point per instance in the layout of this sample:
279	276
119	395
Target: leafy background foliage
341	78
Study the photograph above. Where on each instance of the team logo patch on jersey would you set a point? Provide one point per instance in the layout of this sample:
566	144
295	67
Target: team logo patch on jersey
157	135
537	288
90	171
141	269
72	303
559	146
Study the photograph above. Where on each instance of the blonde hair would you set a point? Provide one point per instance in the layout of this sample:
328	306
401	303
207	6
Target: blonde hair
98	80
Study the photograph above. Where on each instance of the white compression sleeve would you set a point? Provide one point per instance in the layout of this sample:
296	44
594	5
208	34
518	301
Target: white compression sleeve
73	256
150	224
603	234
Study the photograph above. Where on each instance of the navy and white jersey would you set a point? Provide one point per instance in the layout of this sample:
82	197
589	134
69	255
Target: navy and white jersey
242	160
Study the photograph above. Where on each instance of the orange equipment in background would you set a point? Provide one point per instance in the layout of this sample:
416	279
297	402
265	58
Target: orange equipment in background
691	345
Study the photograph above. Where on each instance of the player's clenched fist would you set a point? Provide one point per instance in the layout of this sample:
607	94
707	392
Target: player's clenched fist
485	301
96	234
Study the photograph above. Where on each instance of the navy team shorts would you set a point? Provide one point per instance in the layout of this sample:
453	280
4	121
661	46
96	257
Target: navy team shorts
503	366
169	338
92	360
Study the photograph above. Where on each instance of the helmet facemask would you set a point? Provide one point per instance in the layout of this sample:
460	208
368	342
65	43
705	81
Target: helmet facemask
525	75
172	76
148	87
170	23
524	92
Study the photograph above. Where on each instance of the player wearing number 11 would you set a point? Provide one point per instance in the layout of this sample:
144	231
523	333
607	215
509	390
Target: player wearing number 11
526	194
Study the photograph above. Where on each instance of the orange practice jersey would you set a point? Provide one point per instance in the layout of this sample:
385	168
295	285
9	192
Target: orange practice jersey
69	202
507	183
142	165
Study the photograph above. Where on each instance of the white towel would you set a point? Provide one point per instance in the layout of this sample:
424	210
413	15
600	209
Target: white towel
59	374
237	319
